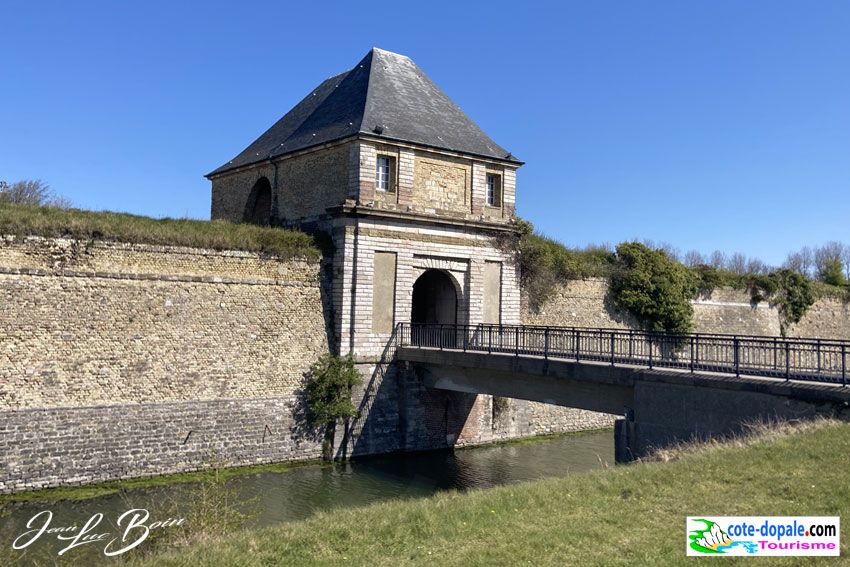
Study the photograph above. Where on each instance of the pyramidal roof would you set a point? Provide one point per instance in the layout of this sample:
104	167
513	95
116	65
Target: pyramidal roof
385	95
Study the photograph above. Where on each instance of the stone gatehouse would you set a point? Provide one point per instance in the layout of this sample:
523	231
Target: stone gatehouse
419	202
416	197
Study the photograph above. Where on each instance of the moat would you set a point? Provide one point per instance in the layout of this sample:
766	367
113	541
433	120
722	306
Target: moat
295	494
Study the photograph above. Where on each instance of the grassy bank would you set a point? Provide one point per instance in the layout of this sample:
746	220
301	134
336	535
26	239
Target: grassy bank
22	220
628	515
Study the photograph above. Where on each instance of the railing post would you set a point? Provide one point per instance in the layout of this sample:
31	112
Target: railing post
546	343
490	339
843	365
649	340
696	350
691	341
818	356
631	341
612	348
465	337
775	354
578	343
440	332
516	341
787	360
737	345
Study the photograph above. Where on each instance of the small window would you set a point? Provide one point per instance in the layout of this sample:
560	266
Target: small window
384	174
494	190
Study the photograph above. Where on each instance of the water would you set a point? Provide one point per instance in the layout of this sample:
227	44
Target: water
296	494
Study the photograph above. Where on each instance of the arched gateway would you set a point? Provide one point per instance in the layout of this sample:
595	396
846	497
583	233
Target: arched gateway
434	299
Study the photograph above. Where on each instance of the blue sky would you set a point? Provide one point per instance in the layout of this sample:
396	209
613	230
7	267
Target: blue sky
711	124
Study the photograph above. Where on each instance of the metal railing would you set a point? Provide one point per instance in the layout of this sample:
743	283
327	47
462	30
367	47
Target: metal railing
819	360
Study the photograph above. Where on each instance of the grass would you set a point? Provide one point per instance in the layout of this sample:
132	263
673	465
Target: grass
22	220
633	515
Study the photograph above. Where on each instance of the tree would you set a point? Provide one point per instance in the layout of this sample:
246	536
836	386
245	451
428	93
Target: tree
756	266
31	192
845	258
737	264
718	260
653	287
693	258
827	254
832	272
791	292
329	385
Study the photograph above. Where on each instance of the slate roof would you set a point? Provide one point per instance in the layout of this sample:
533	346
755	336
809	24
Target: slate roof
387	95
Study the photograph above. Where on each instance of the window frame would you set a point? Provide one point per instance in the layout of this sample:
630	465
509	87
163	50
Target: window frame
388	176
495	187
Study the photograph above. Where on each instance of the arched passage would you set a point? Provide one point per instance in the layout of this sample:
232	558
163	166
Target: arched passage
434	299
258	208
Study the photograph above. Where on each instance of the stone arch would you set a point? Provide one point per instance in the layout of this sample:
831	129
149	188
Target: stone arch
258	208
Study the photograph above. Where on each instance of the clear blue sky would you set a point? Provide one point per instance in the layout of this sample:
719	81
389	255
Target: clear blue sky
710	124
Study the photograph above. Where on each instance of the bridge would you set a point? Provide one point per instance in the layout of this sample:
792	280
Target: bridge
668	387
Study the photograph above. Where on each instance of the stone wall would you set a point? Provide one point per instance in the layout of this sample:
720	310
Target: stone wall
121	360
587	303
303	185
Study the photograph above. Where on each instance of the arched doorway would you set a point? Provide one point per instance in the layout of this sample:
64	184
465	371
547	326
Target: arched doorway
258	208
434	305
434	299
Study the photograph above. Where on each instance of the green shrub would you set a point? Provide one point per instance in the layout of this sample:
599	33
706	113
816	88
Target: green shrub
328	390
708	278
790	291
654	288
545	263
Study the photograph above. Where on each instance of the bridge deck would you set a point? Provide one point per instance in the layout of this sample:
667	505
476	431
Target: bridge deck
803	359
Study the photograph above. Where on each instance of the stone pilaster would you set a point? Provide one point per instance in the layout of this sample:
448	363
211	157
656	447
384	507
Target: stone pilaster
479	187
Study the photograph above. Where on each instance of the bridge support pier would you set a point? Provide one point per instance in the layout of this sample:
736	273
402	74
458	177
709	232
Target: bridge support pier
625	440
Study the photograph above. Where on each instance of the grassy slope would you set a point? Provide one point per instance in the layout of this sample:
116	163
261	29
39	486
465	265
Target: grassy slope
631	515
121	227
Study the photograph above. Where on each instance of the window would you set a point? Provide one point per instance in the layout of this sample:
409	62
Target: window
384	174
494	190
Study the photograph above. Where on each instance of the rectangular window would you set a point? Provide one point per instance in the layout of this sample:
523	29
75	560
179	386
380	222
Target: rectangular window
494	190
384	178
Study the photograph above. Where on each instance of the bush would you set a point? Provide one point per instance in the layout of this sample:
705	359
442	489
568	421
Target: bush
329	385
708	278
790	291
545	263
654	288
